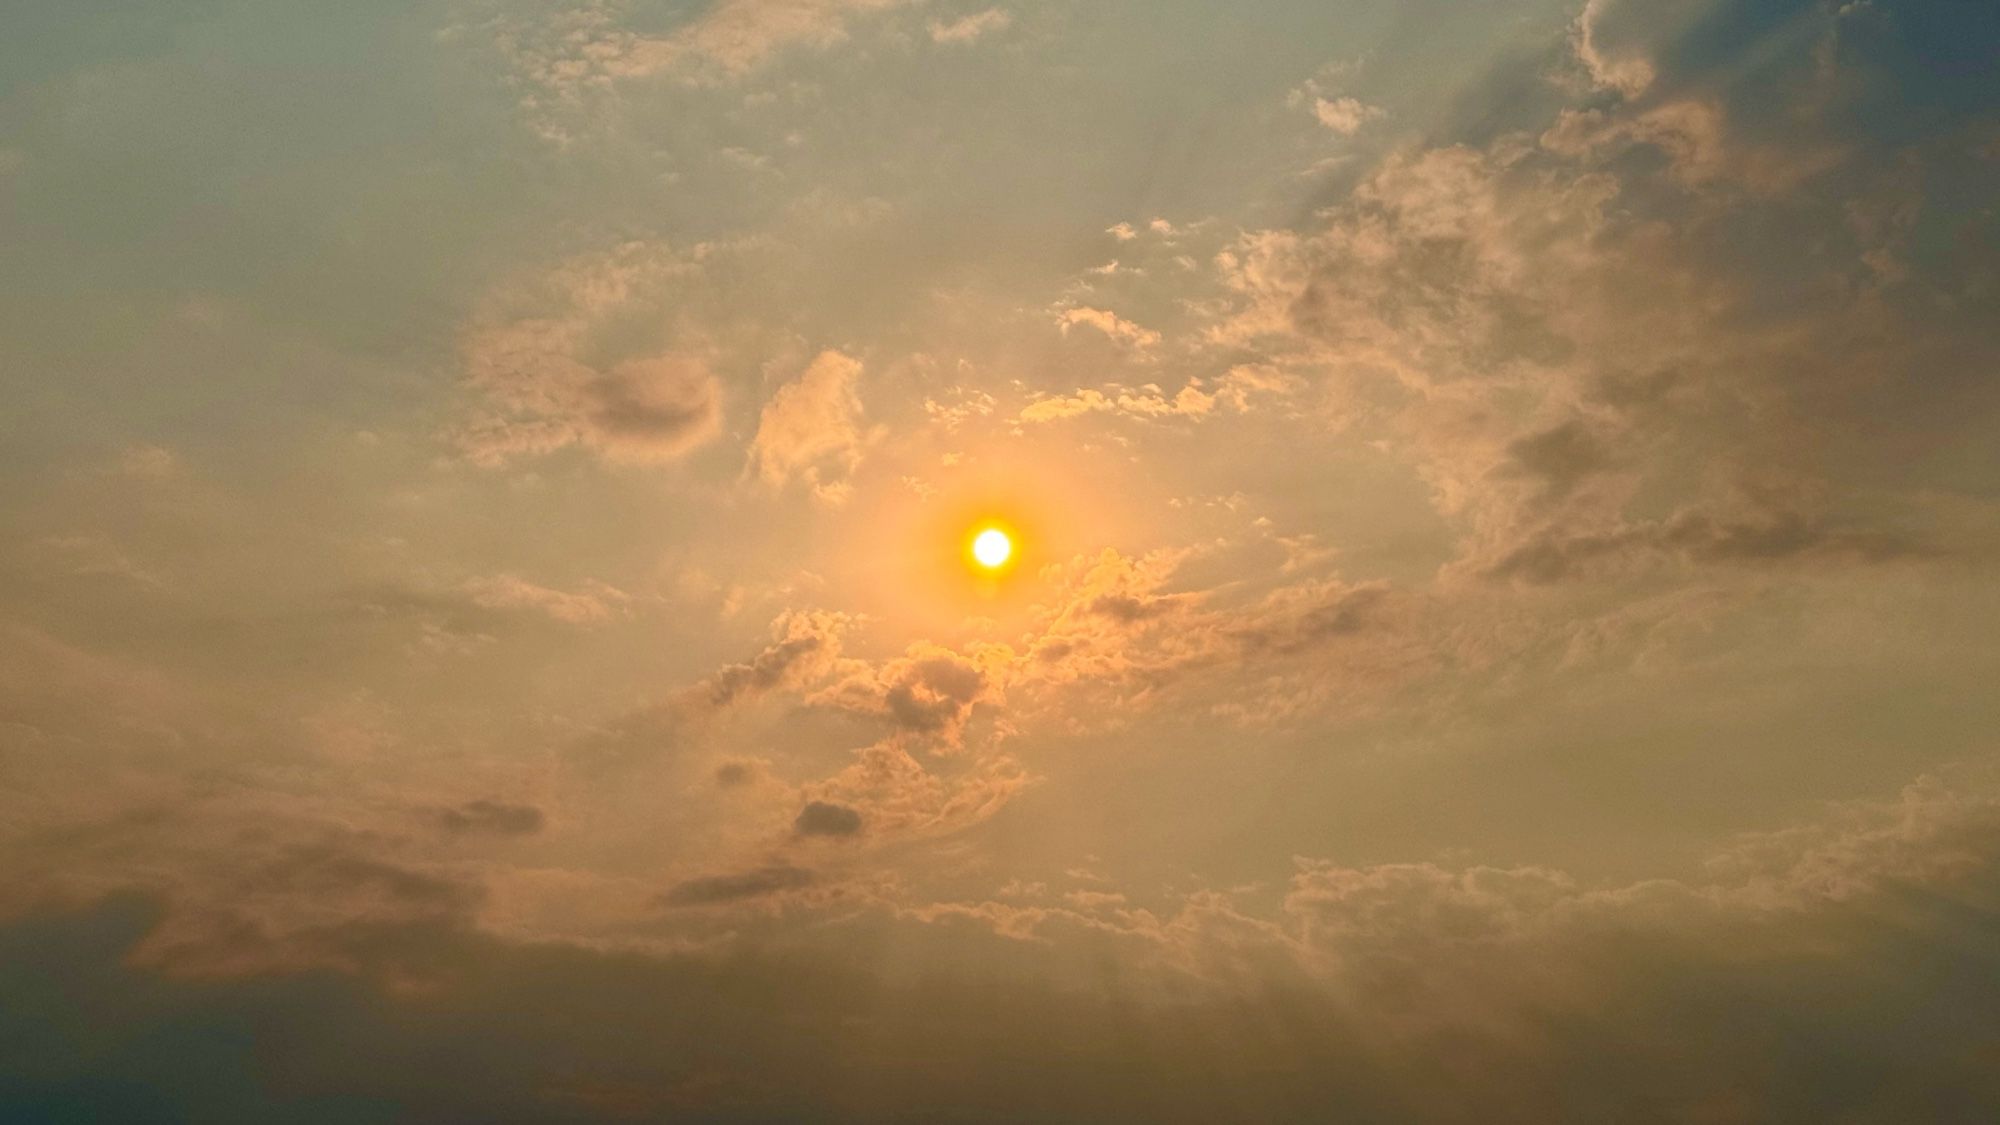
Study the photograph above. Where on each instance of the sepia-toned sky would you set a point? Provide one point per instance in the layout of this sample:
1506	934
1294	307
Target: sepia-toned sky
1506	500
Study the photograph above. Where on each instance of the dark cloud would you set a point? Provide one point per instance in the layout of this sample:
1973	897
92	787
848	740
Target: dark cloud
1310	617
821	818
933	692
1849	970
806	642
533	359
718	890
1131	608
484	817
1560	458
739	772
330	869
653	409
1552	554
929	692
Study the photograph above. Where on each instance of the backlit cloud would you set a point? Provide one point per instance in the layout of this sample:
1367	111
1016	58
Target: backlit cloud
811	429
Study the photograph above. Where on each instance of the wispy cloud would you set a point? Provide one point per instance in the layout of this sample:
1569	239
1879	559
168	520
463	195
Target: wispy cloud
965	29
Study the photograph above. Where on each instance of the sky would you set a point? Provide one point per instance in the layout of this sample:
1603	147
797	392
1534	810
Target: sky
1505	501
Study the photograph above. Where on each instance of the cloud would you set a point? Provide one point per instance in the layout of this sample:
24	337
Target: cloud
1689	345
541	388
737	36
570	61
1535	978
652	409
723	890
1340	113
806	646
298	900
927	694
739	772
1560	457
93	556
1191	401
1613	60
1367	928
147	462
900	797
1563	337
1763	1016
1235	390
505	591
1116	630
822	818
1741	537
1111	324
641	411
811	428
496	818
1345	116
1383	909
968	28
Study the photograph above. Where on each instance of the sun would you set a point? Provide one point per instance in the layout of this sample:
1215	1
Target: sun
992	548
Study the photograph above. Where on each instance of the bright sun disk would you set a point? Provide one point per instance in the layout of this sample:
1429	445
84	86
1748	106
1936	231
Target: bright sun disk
992	548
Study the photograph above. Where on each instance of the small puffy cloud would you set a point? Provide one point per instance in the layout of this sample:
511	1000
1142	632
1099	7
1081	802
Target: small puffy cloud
1245	382
1613	39
1059	407
811	428
1191	401
1345	116
1341	113
1197	399
969	28
1110	323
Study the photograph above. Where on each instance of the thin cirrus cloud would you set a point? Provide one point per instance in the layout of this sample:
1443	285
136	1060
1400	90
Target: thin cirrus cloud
965	29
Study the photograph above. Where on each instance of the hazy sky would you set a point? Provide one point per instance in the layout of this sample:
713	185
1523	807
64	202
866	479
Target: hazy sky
1506	503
